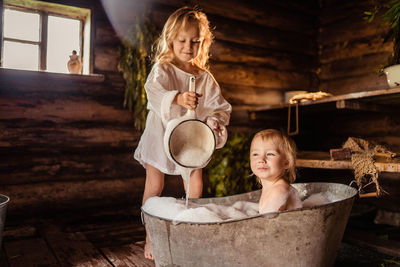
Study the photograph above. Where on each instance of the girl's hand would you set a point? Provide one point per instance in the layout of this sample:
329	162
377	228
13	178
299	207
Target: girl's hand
188	100
215	126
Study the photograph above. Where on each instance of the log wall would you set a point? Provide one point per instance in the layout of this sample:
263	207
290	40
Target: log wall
66	142
257	55
351	51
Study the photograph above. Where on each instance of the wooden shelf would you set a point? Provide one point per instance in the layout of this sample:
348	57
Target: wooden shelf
377	100
321	160
65	77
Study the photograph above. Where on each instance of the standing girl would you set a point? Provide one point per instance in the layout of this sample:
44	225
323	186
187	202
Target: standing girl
182	51
273	161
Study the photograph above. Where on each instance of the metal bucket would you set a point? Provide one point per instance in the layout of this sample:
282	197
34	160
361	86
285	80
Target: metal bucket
3	208
302	237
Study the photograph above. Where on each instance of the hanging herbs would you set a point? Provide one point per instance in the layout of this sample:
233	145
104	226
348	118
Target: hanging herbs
391	16
135	64
229	170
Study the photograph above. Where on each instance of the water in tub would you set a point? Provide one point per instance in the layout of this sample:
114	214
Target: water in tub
175	209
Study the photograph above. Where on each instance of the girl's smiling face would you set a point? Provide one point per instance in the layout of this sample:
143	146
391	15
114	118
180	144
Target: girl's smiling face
265	160
186	44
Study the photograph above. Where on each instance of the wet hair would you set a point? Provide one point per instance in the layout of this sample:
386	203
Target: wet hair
285	146
180	20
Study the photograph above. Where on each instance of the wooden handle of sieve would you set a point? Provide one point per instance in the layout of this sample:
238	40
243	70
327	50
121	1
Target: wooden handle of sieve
192	88
192	84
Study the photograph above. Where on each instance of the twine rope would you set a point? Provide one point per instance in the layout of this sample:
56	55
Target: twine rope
362	159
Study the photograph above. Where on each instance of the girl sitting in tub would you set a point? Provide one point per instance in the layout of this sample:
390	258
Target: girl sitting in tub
272	160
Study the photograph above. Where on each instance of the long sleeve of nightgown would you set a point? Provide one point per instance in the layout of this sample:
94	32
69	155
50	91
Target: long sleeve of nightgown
216	110
215	105
159	95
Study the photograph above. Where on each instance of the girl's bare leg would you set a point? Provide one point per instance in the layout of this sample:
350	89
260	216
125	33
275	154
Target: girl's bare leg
153	187
196	184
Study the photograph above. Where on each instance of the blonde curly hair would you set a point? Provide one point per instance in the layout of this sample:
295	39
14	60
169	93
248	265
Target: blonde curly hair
285	146
180	20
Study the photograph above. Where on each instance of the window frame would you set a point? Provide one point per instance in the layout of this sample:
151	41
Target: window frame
46	9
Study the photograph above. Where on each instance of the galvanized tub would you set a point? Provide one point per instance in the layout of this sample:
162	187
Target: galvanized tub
3	208
302	237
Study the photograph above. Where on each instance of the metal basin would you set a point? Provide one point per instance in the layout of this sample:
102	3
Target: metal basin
3	209
302	237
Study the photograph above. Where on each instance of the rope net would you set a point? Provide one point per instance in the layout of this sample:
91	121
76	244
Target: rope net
363	158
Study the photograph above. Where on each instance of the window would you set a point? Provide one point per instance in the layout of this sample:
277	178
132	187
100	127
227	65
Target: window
41	36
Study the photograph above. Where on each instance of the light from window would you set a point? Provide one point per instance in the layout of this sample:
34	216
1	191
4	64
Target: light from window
20	56
21	47
21	25
39	35
63	37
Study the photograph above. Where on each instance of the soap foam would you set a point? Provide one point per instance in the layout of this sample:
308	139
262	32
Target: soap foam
318	199
175	210
192	156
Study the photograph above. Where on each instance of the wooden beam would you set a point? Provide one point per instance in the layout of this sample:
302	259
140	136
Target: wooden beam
17	76
67	165
354	66
105	34
250	95
268	14
226	51
371	241
349	29
332	12
30	199
259	36
357	105
105	58
227	29
321	160
43	41
238	74
357	48
387	217
352	84
66	109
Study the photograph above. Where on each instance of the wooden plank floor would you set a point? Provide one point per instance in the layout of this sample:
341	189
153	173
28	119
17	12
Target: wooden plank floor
106	239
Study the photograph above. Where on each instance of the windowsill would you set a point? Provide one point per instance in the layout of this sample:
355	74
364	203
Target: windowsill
14	73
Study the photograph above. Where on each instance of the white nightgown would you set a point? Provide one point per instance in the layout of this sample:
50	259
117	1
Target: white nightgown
162	85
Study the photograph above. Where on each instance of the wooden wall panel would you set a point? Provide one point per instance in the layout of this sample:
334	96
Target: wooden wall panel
351	51
350	67
357	48
251	49
366	82
33	199
67	141
247	96
106	58
265	13
222	51
262	77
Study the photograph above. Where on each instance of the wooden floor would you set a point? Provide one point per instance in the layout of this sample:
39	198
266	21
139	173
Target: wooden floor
102	239
115	238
